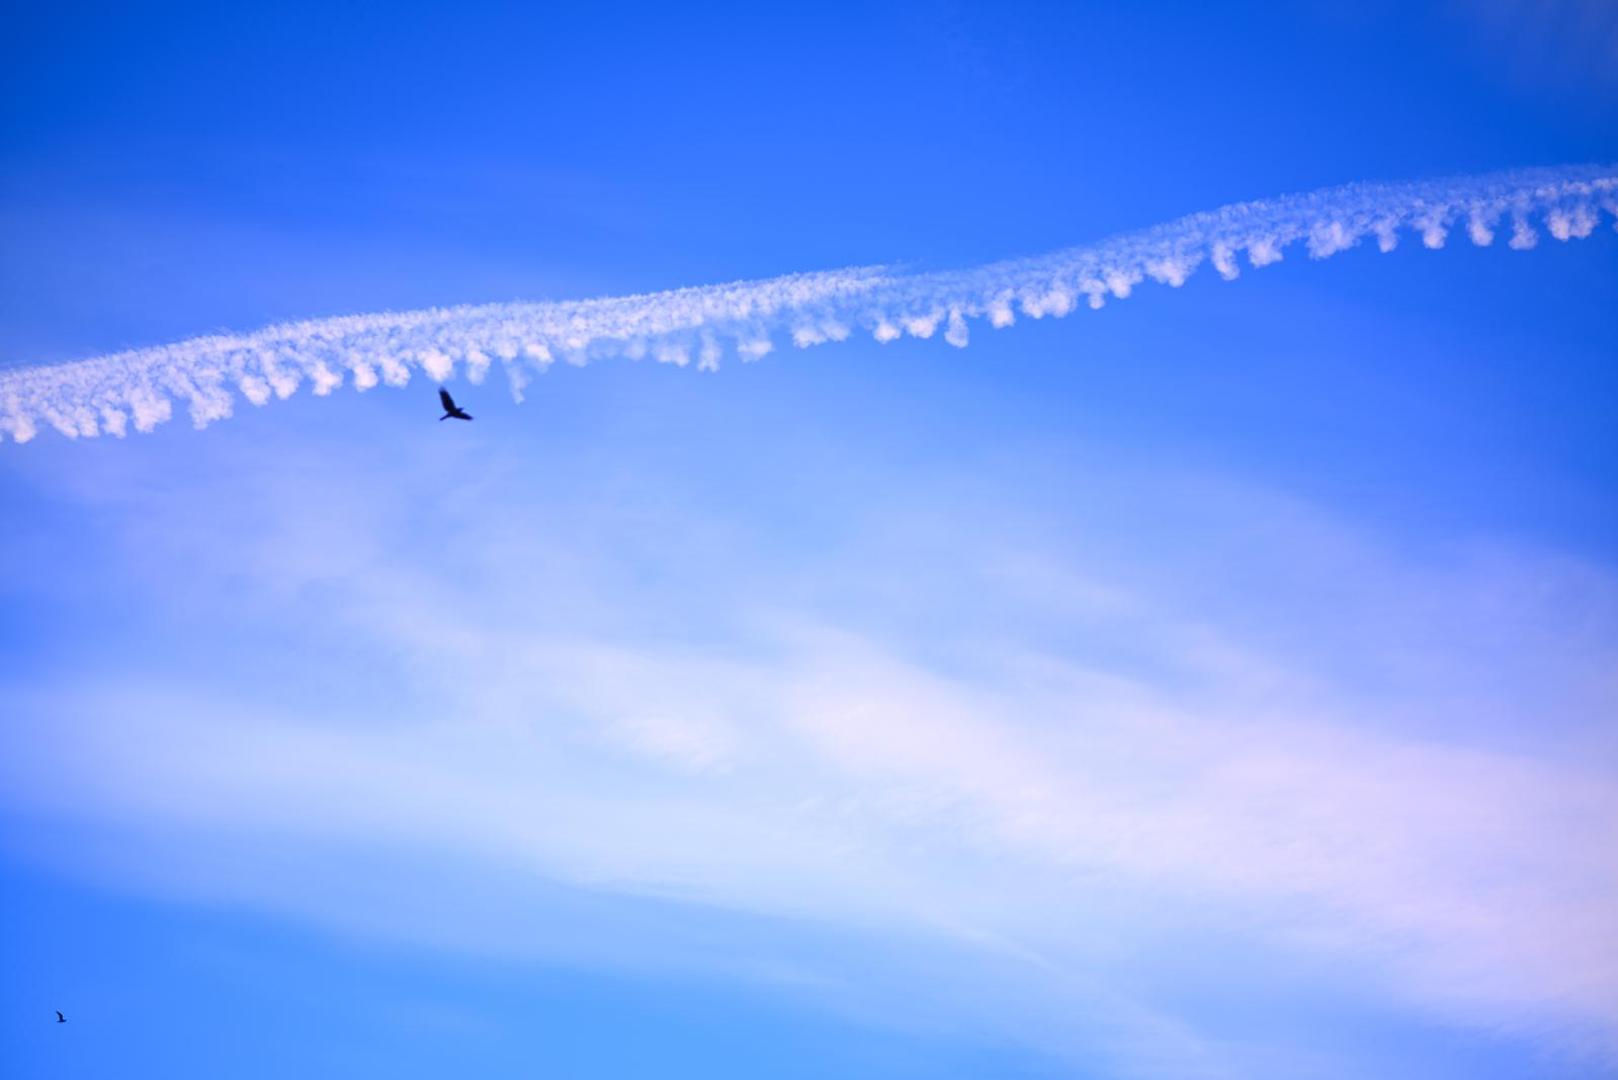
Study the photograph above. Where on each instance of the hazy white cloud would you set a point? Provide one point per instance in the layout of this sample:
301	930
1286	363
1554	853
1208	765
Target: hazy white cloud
111	393
1046	805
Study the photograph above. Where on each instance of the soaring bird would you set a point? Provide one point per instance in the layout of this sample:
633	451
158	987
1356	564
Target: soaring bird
60	1019
450	408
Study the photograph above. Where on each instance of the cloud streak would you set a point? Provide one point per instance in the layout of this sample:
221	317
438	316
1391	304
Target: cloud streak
139	388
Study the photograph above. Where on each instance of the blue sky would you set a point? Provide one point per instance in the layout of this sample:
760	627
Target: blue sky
1220	683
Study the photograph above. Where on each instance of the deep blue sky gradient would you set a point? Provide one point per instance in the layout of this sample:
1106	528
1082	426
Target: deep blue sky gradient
169	170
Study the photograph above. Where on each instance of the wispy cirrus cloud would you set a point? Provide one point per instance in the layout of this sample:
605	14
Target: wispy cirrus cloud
1122	765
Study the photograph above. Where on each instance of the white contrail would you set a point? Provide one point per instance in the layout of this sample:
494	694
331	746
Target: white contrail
108	393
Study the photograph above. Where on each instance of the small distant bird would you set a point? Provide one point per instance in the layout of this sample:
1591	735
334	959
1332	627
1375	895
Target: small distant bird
60	1019
450	408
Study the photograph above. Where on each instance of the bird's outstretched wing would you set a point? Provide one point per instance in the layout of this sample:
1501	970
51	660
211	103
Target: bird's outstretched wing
60	1019
449	402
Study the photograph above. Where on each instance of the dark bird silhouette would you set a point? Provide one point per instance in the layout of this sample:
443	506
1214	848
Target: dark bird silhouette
450	408
60	1019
